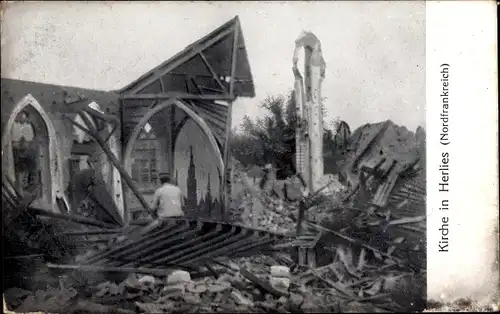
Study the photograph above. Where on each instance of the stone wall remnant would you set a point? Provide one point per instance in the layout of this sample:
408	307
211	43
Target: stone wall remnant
309	135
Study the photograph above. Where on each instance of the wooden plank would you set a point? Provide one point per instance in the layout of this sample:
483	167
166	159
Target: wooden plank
102	116
302	252
227	166
355	241
407	220
234	54
207	115
11	187
111	132
10	194
93	232
178	60
262	284
219	136
211	89
118	166
212	106
90	268
71	218
383	193
412	189
197	86
213	72
399	197
169	95
215	126
162	84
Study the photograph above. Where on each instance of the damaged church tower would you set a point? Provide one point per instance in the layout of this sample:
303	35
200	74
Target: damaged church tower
309	133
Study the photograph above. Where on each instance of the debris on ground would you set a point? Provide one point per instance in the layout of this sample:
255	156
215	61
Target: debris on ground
367	236
181	294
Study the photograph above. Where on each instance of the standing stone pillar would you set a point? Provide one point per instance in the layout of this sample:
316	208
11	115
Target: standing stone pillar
309	135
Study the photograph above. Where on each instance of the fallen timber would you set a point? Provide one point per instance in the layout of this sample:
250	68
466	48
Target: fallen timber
178	243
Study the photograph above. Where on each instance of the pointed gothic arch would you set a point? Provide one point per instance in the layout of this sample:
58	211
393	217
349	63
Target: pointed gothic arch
197	119
54	179
110	174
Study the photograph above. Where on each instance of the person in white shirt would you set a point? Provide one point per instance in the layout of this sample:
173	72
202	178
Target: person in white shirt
167	200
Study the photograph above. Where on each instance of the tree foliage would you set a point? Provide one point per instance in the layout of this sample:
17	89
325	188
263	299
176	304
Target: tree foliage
271	139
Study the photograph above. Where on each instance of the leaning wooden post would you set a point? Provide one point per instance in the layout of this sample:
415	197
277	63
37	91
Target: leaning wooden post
302	252
227	167
93	133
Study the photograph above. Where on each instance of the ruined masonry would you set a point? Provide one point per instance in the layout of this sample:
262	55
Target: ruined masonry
309	135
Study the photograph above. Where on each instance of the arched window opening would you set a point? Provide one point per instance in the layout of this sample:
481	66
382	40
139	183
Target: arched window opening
167	162
196	173
145	163
89	163
30	144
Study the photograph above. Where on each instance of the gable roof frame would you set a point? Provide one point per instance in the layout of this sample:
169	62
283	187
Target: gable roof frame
199	49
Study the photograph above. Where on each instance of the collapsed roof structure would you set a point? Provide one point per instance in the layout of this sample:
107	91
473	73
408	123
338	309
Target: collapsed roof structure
199	84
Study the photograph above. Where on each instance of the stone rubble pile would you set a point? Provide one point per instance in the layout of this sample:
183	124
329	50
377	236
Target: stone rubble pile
180	293
267	203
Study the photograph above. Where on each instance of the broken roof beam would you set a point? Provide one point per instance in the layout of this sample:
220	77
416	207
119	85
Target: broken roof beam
234	57
215	76
72	218
92	268
111	156
217	51
186	54
227	174
99	115
169	95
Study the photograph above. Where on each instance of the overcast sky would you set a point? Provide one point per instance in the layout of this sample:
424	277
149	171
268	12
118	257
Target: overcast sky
374	51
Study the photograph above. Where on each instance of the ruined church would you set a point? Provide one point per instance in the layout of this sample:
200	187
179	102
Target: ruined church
52	133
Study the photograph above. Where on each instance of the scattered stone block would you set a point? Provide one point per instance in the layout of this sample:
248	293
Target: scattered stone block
282	300
234	266
280	271
175	288
154	307
178	276
147	280
219	286
240	299
169	297
280	277
132	282
280	283
196	287
191	298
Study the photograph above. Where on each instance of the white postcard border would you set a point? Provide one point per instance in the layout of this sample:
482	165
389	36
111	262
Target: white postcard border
461	41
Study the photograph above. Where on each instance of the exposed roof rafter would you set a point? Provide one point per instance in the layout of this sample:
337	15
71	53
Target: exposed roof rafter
217	61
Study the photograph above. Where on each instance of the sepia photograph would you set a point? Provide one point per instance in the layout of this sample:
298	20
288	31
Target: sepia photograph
214	157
